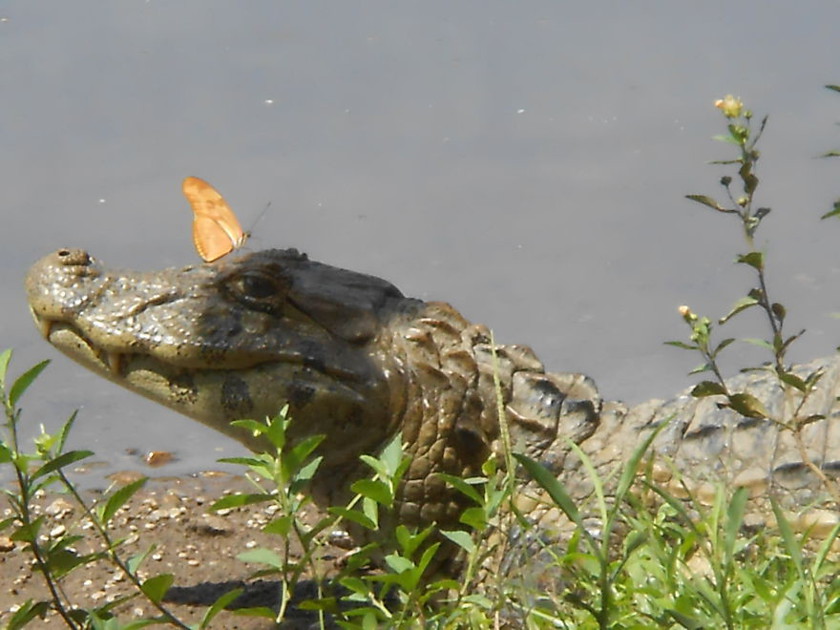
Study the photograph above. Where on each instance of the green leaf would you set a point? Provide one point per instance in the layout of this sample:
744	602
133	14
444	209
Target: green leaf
761	343
793	380
256	611
255	427
23	381
65	459
791	541
220	604
156	586
392	455
635	540
475	518
836	88
742	304
735	517
462	486
281	525
836	210
28	610
707	388
251	462
753	259
262	556
294	458
119	498
723	344
65	431
680	344
729	140
707	201
628	473
375	490
747	405
461	538
353	516
550	484
398	564
704	367
136	560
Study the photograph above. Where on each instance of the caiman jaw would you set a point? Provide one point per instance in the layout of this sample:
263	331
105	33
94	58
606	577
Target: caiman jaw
54	331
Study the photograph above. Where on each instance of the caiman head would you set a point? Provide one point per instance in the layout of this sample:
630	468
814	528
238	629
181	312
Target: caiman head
355	360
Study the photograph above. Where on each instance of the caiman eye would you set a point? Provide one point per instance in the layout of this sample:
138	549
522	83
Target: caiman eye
257	286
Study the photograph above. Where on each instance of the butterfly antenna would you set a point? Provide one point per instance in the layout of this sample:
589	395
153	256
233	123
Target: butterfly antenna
258	219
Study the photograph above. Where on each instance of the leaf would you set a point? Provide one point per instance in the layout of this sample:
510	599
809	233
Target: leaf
723	344
793	380
707	388
836	210
761	343
262	556
281	525
728	139
550	484
354	516
398	564
119	498
293	460
27	612
65	431
836	88
23	382
475	518
753	259
461	486
156	586
704	367
256	428
735	517
741	305
220	604
747	405
707	201
461	538
779	312
680	344
761	213
5	358
65	459
374	489
136	560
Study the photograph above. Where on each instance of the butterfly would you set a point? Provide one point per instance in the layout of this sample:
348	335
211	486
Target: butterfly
216	230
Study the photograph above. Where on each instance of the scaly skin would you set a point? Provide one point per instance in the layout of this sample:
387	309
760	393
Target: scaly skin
357	361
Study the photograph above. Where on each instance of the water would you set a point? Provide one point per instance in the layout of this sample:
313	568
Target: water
525	162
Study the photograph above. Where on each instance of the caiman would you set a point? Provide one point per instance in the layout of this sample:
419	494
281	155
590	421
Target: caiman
357	362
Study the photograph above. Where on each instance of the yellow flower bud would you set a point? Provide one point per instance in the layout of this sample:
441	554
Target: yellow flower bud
730	106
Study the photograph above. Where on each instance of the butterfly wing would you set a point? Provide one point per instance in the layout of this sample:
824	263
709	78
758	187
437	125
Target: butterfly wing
216	230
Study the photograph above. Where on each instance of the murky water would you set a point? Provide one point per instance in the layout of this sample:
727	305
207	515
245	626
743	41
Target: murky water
525	161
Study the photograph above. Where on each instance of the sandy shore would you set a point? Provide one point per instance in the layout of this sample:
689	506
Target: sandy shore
198	548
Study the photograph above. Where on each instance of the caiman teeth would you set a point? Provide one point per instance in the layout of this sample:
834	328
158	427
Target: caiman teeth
114	361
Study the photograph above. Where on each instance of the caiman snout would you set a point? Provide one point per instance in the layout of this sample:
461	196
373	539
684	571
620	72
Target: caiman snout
67	273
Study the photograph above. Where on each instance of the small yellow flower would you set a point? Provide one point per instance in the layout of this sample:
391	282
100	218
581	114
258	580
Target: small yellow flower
686	313
730	106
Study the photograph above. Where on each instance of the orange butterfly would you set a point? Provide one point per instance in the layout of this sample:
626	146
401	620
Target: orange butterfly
216	230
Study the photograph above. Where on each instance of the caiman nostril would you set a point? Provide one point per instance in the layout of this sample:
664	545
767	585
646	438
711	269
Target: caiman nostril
73	257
